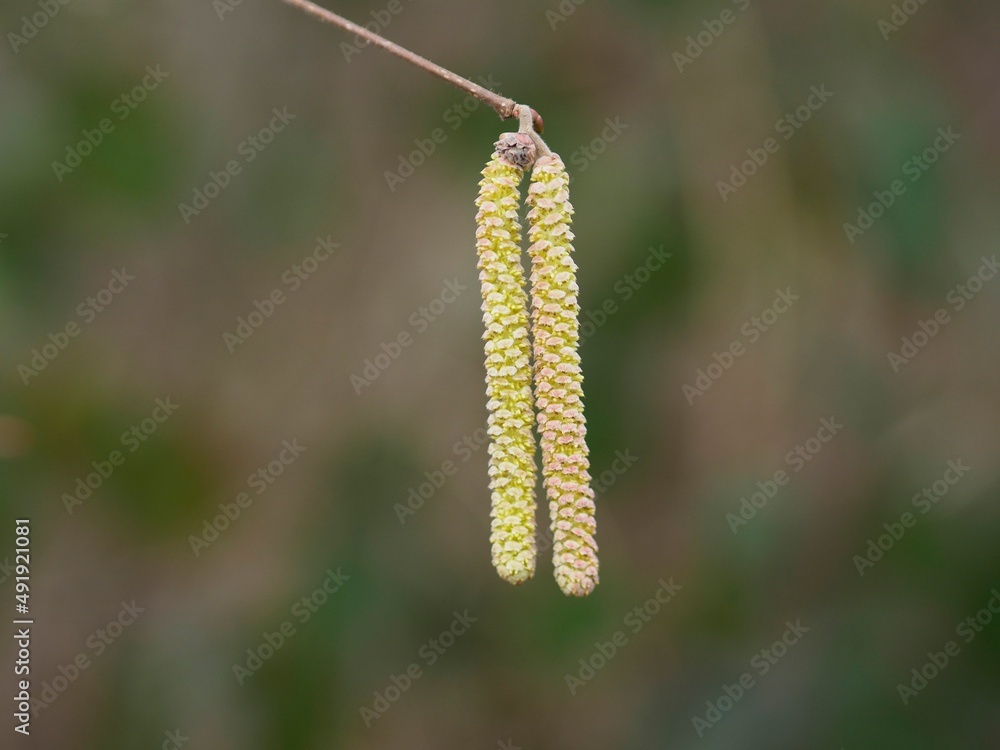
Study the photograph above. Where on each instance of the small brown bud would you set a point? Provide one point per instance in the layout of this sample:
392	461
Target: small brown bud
537	121
517	149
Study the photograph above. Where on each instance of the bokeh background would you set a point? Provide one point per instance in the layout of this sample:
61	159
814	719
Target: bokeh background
167	679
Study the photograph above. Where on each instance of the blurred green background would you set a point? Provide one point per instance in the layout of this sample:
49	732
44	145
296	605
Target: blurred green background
652	105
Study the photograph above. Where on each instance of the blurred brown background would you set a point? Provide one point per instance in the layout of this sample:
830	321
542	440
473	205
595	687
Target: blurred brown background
812	112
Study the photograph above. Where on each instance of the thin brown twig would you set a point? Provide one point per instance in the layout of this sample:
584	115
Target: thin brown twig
506	108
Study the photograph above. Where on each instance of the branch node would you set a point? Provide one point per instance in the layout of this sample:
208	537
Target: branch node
528	126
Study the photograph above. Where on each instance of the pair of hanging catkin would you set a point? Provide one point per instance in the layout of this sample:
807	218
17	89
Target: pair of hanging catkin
550	361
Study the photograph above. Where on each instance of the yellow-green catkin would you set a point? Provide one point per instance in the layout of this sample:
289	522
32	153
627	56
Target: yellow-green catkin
508	372
558	379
